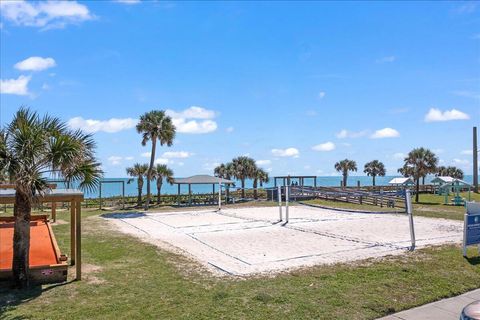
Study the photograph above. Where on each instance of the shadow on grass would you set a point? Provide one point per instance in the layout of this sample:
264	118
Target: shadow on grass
473	260
10	298
426	203
123	215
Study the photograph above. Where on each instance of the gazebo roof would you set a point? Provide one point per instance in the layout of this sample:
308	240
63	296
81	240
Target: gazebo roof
448	181
443	179
201	179
402	181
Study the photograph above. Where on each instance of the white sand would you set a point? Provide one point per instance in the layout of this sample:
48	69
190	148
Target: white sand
249	240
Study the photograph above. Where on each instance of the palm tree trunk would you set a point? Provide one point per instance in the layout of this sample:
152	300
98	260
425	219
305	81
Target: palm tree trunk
159	188
228	192
150	169
345	180
423	180
373	177
255	196
418	190
139	197
243	188
21	239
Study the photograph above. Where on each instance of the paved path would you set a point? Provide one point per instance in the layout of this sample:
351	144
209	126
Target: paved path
447	309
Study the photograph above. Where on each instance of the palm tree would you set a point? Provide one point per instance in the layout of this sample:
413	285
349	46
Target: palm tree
374	168
225	171
138	171
261	176
153	126
243	168
31	149
162	171
453	172
344	166
418	163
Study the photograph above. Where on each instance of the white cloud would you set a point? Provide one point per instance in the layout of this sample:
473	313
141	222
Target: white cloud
466	7
321	94
184	124
44	14
110	126
263	162
289	152
176	154
461	162
115	160
399	156
35	64
128	1
435	114
467	94
146	154
350	134
130	158
161	161
17	86
467	152
210	166
386	59
229	129
327	146
385	133
192	113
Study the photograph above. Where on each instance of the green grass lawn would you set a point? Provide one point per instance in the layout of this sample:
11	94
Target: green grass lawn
429	205
127	279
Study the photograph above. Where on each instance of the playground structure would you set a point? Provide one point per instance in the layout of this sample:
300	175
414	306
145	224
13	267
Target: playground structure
446	185
50	263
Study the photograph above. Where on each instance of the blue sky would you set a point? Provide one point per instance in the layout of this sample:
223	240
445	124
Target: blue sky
297	86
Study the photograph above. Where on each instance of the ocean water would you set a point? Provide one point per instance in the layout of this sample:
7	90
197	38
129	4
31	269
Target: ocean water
113	186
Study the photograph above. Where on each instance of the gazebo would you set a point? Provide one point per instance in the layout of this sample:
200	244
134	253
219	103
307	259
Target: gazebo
401	182
75	198
445	185
202	179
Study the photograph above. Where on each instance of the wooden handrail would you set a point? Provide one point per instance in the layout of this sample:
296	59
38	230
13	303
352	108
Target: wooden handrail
12	186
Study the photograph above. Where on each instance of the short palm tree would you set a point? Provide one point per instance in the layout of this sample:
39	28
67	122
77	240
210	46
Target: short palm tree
243	168
259	176
31	149
224	171
138	171
374	168
155	125
162	172
344	167
418	163
453	172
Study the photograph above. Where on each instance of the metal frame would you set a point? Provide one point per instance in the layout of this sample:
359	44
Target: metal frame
113	181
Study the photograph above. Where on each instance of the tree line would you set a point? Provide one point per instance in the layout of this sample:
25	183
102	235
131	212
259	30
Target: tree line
419	163
242	168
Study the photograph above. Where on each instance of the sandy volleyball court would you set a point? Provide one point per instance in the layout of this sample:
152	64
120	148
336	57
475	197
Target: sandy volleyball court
251	240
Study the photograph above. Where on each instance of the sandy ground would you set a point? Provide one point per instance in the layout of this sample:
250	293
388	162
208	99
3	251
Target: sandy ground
251	240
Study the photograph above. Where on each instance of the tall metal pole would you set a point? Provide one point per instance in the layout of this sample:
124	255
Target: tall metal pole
219	196
408	200
286	203
279	196
475	161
